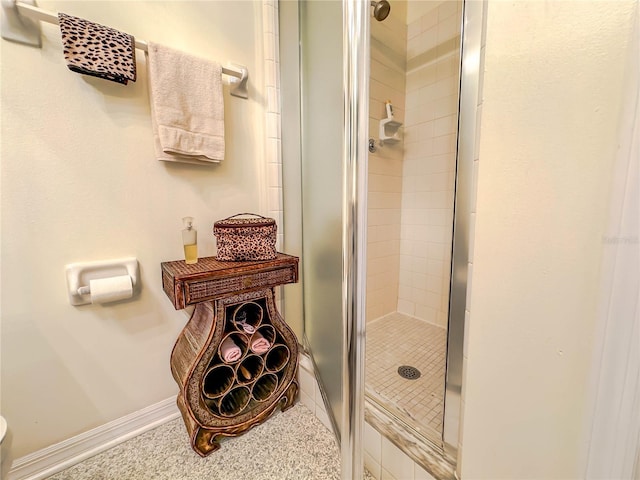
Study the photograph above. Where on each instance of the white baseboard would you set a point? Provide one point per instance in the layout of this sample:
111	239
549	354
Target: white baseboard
53	459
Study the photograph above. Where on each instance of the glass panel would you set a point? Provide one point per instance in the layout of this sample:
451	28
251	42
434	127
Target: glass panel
413	118
322	143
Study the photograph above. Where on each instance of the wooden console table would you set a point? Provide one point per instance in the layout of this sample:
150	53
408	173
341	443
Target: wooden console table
222	396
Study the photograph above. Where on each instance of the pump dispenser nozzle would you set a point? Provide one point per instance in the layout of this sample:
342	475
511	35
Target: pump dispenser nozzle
190	241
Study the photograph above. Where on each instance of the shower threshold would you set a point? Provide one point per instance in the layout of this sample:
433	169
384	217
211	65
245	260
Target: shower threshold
404	387
426	451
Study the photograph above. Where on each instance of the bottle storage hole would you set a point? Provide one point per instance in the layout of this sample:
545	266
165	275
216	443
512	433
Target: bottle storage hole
233	347
249	369
277	358
264	387
217	381
263	339
247	317
234	401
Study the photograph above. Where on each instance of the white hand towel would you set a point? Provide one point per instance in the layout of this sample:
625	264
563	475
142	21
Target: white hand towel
187	109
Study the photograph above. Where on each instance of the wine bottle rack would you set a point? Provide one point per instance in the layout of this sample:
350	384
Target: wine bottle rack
235	362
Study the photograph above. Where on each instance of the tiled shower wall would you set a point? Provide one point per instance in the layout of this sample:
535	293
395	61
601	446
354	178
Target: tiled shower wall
428	175
388	82
414	63
273	147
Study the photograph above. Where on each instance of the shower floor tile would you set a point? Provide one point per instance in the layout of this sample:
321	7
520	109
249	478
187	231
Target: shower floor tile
395	340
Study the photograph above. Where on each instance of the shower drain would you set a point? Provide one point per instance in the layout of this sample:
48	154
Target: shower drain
410	373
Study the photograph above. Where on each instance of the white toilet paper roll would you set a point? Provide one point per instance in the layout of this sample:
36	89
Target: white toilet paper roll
111	289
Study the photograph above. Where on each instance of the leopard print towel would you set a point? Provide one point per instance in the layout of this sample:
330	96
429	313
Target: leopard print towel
93	49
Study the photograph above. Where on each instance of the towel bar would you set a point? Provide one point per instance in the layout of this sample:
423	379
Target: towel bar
20	24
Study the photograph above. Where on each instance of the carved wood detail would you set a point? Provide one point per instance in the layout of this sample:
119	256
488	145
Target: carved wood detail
220	398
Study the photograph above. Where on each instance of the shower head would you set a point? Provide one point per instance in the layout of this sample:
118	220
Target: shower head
381	9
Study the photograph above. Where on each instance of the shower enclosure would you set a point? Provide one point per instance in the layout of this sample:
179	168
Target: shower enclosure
380	217
415	67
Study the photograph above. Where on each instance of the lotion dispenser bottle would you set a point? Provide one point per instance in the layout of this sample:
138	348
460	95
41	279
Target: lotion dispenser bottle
190	241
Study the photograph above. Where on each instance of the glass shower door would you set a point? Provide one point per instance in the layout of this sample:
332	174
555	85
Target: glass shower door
321	153
333	76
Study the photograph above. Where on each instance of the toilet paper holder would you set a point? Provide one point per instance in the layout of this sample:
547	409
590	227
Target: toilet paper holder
80	274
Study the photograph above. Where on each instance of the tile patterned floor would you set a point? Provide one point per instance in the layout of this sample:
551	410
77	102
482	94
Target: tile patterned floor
395	340
292	445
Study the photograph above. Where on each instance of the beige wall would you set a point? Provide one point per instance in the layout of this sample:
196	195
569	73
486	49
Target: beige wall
80	183
550	111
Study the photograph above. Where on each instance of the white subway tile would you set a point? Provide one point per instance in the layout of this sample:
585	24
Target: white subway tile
428	75
419	280
307	401
413	115
304	361
406	307
385	475
421	474
389	304
419	264
269	45
469	285
373	311
275	194
429	38
465	351
472	235
414	46
411	134
269	18
436	268
439	217
474	186
448	28
419	251
441	145
414	28
273	125
273	174
322	415
372	466
476	149
425	147
427	129
443	318
413	83
273	99
275	145
434	284
307	383
446	9
426	313
481	74
395	461
431	299
372	442
429	20
443	106
449	68
435	251
377	90
426	95
438	163
445	125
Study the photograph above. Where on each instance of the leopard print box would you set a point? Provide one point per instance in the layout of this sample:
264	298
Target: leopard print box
242	239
